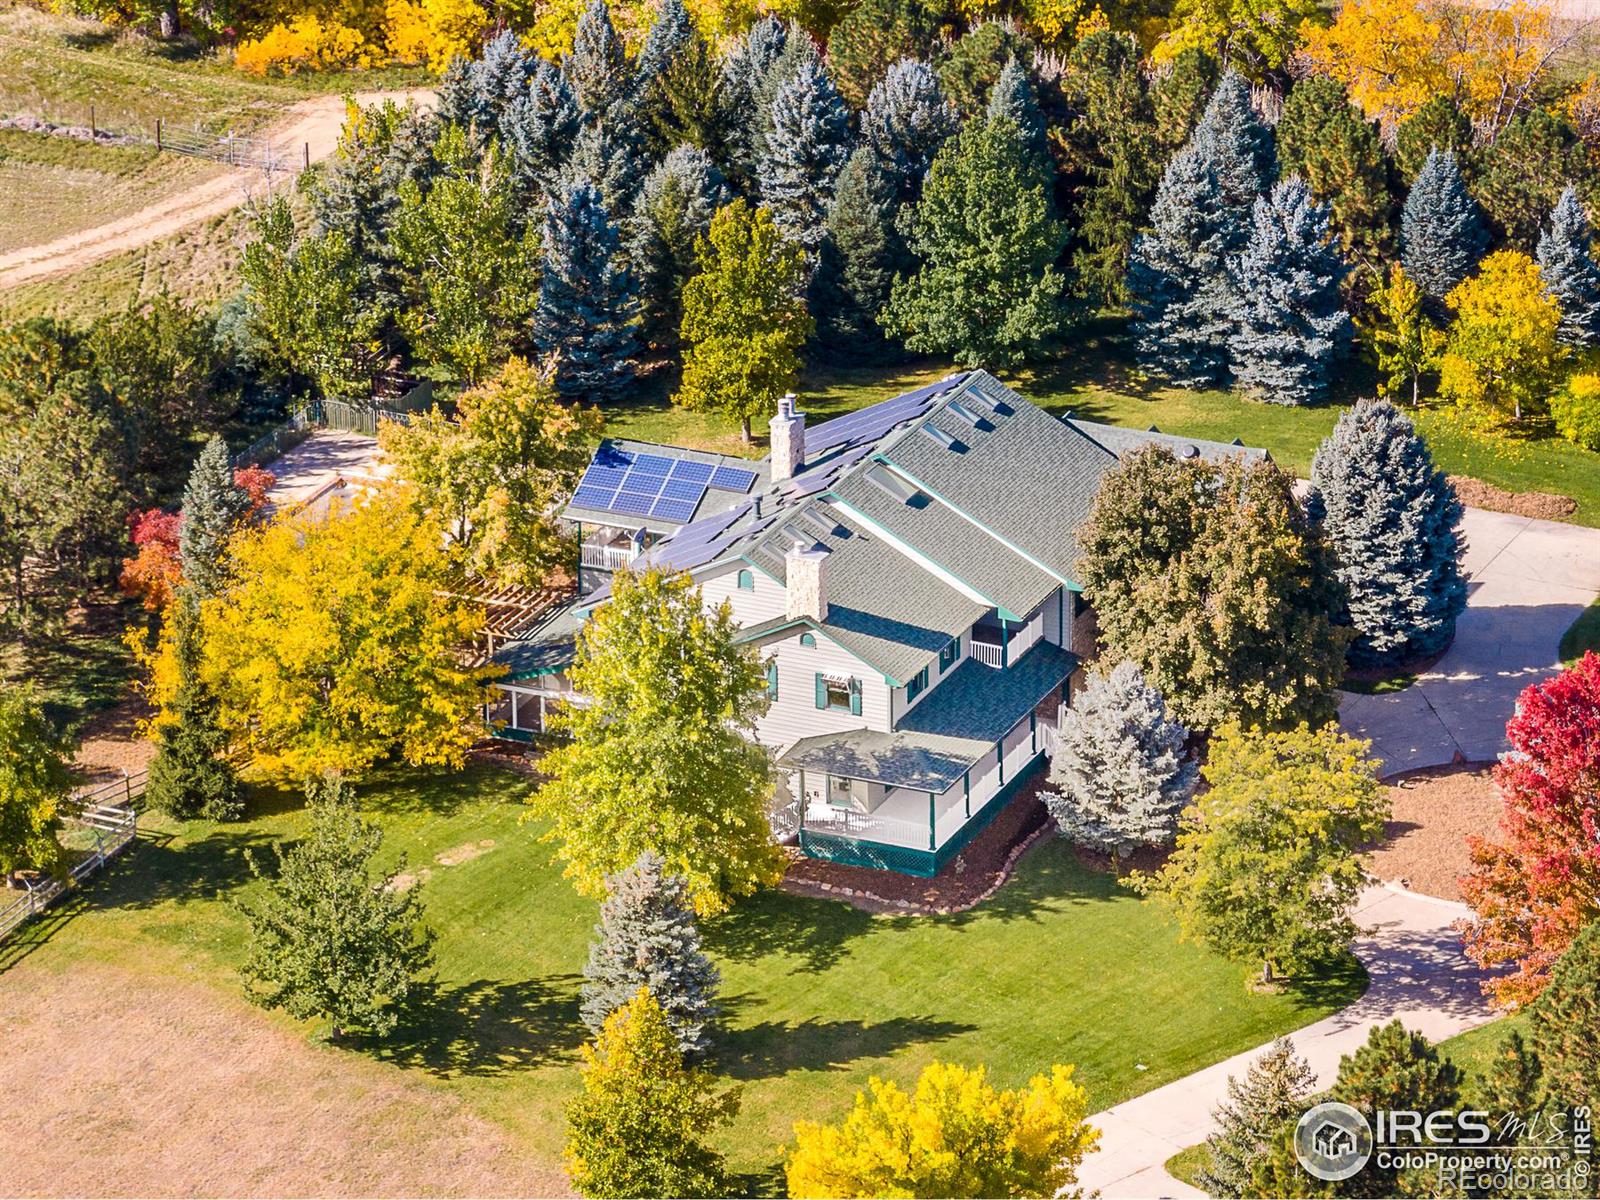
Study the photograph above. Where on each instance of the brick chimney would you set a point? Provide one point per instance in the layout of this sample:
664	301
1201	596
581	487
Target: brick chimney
788	432
808	583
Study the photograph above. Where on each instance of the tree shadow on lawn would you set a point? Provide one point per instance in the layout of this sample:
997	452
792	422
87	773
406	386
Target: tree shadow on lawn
777	1047
158	868
777	922
440	790
486	1027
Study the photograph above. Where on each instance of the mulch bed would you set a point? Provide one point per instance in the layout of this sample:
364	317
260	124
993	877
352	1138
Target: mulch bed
1547	506
969	878
1434	812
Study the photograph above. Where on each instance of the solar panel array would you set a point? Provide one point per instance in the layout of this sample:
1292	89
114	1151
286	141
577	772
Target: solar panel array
645	485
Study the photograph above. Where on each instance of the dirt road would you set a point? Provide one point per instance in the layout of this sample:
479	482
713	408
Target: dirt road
313	123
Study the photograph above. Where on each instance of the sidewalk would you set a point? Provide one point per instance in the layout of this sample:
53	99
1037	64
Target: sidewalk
1418	974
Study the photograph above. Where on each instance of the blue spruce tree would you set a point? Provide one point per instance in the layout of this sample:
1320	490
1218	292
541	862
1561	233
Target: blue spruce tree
674	208
1013	96
588	309
1442	234
1290	325
502	74
458	101
1177	279
806	149
798	52
609	159
213	507
539	127
1569	271
1238	148
747	63
906	122
1393	520
598	68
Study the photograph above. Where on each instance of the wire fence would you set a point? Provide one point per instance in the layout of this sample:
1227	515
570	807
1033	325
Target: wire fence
194	139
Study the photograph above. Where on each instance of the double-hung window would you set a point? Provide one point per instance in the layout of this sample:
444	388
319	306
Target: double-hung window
916	685
950	653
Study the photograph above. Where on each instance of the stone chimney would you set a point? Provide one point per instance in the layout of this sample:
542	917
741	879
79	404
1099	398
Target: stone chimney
788	430
808	583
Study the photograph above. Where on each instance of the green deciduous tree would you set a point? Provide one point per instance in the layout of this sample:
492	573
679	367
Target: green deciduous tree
1268	862
328	940
970	66
988	291
1404	339
660	758
743	321
641	1126
35	782
1212	580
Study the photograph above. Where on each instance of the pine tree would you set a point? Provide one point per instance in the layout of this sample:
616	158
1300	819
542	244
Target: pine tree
647	938
1180	96
874	35
860	255
458	101
798	53
670	33
1438	125
1013	97
969	69
1441	231
213	506
1237	147
190	775
1177	285
587	307
906	123
1564	1018
1569	272
1273	1091
598	68
1397	1069
1521	174
1121	769
988	291
1290	326
681	89
1323	139
326	939
746	64
806	150
502	74
539	127
674	209
1392	519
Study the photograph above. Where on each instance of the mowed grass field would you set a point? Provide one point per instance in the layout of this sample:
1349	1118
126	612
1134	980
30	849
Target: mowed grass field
1061	966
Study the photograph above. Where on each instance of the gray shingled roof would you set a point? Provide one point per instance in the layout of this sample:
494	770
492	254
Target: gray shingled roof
920	761
1121	440
982	702
544	650
714	500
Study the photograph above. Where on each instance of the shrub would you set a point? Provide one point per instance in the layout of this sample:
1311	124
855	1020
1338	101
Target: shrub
1576	410
304	44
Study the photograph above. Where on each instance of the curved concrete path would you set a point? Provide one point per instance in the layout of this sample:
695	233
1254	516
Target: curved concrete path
1418	974
1528	582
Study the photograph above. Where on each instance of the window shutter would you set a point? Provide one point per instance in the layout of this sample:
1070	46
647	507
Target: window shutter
855	697
822	691
772	680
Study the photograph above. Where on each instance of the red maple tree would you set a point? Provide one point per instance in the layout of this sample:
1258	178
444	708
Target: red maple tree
155	569
1535	889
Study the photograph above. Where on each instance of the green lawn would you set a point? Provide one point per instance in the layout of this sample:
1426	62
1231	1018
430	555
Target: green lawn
1583	635
1060	967
80	666
1093	380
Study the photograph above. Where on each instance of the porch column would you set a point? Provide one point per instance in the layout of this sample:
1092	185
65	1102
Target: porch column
966	790
802	798
1000	759
933	824
1033	733
1005	639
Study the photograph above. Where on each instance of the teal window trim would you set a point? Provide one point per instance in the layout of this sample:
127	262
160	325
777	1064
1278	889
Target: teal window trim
772	680
808	640
916	685
855	697
950	654
746	580
826	703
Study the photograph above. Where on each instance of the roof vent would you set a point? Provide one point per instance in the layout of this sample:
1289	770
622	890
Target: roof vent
887	481
755	507
1191	451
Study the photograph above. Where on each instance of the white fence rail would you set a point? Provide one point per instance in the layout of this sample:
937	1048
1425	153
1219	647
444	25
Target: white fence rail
609	558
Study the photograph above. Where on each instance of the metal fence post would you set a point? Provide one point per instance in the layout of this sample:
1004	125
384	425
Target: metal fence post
158	134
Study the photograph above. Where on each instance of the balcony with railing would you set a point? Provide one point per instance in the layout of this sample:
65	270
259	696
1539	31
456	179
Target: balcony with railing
999	644
607	556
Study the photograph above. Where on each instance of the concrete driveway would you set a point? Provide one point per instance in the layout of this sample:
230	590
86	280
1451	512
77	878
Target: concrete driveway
1529	580
323	459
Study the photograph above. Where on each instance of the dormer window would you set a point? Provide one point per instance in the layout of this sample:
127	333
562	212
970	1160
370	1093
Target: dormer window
747	581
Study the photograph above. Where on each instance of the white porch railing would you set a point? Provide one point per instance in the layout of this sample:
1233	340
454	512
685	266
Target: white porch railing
990	654
607	558
870	827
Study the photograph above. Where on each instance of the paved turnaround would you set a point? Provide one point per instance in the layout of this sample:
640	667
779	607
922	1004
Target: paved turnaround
1528	582
1418	973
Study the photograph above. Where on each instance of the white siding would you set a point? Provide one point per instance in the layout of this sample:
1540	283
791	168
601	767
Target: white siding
1056	608
935	677
768	600
795	715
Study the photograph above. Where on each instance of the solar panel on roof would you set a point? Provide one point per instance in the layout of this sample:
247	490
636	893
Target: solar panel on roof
634	503
672	510
683	489
733	479
594	497
651	464
695	472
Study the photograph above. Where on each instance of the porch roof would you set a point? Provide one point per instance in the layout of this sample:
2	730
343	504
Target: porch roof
923	762
546	650
984	703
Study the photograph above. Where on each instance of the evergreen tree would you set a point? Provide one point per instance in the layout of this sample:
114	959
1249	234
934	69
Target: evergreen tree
1274	1091
1397	1069
747	63
213	506
1180	96
1564	1018
1290	326
598	68
588	306
799	53
326	939
906	123
969	70
1324	140
539	127
860	255
1237	147
674	209
681	89
1569	272
1393	521
1521	174
670	34
806	150
605	157
1112	149
1177	284
458	101
1438	125
1121	769
874	35
190	775
502	75
1441	232
988	291
647	938
1013	97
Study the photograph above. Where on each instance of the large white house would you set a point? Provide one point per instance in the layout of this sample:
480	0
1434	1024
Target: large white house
906	572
